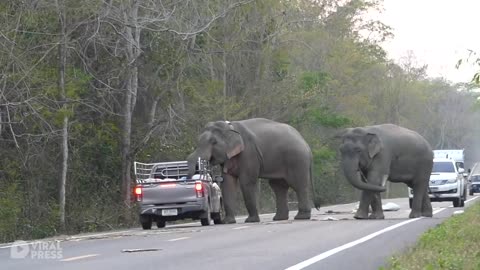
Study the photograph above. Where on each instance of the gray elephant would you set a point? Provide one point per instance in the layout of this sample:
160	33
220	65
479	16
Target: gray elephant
373	154
253	148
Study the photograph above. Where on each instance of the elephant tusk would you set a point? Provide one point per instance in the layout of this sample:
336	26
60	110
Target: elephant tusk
385	177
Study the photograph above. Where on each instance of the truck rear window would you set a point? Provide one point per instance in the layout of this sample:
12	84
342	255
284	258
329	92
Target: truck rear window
443	167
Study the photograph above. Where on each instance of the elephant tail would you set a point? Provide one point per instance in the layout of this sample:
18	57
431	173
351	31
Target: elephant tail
316	200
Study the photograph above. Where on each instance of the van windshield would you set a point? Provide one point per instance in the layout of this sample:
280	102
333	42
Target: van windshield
443	167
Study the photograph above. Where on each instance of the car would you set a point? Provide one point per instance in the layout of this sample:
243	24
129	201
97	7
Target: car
164	193
474	184
446	183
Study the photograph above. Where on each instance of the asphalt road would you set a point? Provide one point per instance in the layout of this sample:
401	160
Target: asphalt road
343	243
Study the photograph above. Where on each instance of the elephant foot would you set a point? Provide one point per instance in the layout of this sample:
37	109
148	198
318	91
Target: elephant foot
303	215
280	217
414	214
427	214
251	219
376	216
361	215
229	220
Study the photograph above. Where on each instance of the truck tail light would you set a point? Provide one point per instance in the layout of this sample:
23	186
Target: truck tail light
138	193
199	189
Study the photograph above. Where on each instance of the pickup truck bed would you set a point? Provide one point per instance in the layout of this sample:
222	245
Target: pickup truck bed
165	193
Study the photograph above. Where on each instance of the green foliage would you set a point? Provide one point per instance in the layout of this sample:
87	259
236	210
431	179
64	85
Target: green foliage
454	244
311	80
10	212
322	117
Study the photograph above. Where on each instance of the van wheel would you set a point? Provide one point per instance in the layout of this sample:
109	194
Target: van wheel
457	202
146	222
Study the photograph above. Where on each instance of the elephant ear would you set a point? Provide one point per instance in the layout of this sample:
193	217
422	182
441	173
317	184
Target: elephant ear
234	143
374	144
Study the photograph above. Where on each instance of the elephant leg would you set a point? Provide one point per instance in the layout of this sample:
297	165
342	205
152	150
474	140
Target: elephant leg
249	191
280	188
427	210
377	210
299	179
421	205
365	201
229	193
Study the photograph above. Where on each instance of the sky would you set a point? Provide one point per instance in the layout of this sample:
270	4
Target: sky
438	32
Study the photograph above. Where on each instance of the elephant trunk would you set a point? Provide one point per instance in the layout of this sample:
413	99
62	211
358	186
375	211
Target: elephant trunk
351	170
193	160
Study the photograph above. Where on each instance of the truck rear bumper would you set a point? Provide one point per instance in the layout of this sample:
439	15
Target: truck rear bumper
185	210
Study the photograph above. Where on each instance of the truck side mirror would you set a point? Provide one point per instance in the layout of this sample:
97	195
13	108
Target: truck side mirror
218	179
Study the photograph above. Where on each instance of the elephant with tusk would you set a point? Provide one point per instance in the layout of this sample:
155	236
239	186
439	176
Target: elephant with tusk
372	155
253	148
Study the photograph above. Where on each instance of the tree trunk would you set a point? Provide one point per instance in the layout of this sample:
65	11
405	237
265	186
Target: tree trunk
132	34
61	84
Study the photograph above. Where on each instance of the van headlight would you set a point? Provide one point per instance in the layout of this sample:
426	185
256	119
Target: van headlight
450	181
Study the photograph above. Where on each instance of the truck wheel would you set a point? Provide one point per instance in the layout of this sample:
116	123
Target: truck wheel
146	222
208	219
410	203
161	224
218	217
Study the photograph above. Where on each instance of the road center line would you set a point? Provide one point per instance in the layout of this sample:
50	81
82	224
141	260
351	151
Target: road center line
240	228
178	239
79	258
331	252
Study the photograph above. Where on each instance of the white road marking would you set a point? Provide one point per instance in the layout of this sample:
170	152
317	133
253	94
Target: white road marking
458	212
240	228
178	239
331	252
471	199
79	257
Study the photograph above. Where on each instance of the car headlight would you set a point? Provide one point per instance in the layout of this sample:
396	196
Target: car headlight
454	180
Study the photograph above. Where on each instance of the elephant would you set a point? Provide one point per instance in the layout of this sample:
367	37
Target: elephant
253	148
371	155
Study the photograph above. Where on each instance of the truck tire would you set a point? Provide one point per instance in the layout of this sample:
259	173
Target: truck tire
161	223
146	222
208	219
218	217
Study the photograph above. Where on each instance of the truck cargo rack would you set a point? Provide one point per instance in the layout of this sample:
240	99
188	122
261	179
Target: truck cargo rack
168	171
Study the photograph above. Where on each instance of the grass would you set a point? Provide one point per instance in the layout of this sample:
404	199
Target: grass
454	244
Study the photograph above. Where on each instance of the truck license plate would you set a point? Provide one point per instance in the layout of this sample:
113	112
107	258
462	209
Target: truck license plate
169	212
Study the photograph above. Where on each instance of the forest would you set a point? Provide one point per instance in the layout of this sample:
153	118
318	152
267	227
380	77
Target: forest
87	87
